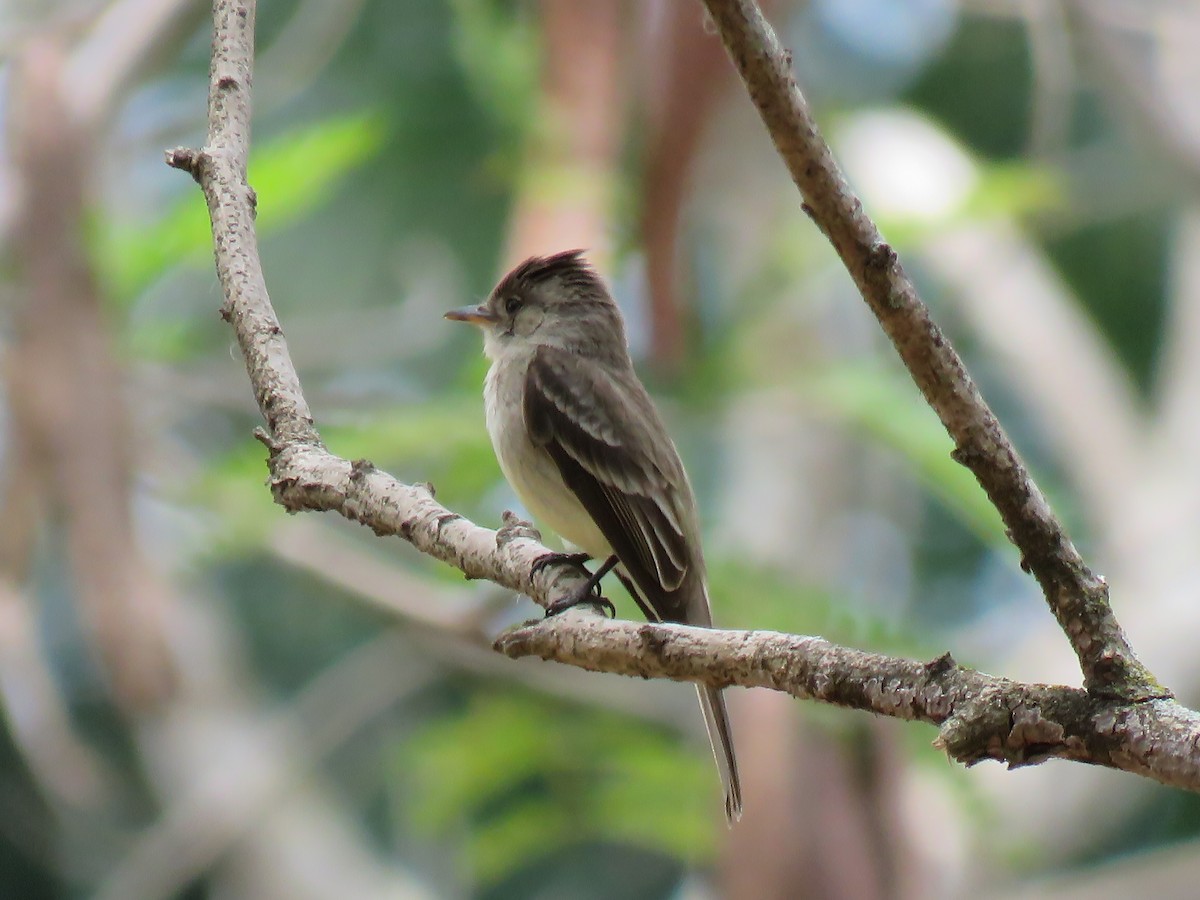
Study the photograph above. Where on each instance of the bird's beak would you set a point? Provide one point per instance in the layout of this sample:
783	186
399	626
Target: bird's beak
476	315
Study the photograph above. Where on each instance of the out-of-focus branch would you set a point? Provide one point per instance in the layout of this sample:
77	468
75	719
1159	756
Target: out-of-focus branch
65	391
1149	66
65	769
1077	596
688	73
1179	372
1170	128
566	195
1050	57
1021	308
63	766
305	45
126	38
235	792
458	624
67	400
386	586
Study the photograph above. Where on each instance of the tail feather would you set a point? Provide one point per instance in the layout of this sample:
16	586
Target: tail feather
716	717
716	720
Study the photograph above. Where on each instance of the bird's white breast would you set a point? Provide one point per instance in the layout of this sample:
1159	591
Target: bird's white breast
528	468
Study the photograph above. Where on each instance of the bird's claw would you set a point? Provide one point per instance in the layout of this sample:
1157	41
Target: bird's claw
588	592
575	598
550	559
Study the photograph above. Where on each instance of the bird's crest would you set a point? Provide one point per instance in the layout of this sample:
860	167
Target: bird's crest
568	266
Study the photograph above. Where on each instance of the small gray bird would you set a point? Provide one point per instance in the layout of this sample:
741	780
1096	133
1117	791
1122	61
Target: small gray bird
581	443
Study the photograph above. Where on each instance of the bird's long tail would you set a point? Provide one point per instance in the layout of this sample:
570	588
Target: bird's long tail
716	720
712	704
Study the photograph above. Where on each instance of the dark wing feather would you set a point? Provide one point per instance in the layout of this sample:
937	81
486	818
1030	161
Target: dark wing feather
611	448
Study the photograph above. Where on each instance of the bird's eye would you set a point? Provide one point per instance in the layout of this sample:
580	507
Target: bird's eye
512	305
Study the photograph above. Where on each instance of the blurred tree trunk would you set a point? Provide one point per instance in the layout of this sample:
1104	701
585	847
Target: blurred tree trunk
822	813
198	737
687	70
565	195
64	390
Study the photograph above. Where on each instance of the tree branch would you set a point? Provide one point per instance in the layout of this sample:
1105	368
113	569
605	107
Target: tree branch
1118	722
1077	596
980	716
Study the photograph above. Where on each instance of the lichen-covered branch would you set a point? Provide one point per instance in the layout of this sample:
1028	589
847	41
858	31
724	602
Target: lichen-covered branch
979	716
1076	595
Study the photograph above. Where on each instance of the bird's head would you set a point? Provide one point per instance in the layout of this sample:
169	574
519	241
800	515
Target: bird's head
557	300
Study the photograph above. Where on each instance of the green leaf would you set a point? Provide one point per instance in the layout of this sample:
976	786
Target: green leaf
770	598
292	175
890	411
523	832
1013	189
444	442
516	776
657	798
1003	191
466	762
500	54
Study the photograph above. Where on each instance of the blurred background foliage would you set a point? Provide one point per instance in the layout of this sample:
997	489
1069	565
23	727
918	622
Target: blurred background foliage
291	706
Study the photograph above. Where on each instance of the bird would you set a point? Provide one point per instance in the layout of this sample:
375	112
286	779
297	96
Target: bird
584	448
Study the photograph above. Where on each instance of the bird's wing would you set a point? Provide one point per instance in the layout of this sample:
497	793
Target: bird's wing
611	448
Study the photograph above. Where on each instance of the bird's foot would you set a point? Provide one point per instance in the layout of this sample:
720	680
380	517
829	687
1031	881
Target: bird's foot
550	559
585	593
588	592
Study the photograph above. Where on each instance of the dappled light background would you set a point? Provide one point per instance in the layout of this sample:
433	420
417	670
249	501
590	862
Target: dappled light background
205	697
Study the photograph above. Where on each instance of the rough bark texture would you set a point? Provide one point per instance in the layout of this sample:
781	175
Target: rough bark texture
1122	719
980	716
1077	596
